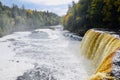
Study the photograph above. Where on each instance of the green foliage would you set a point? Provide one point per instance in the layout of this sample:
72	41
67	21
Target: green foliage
88	14
19	19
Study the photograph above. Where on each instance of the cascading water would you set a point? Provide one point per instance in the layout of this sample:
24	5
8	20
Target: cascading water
100	47
45	54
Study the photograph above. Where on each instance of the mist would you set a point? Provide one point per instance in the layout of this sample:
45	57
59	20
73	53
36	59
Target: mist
20	19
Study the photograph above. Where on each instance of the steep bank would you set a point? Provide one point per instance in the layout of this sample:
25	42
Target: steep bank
100	47
87	14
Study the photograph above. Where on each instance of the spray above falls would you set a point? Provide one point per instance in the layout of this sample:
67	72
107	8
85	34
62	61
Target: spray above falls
100	47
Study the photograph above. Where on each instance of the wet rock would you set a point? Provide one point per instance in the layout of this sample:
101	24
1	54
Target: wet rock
17	61
116	65
35	31
20	78
72	36
11	39
38	73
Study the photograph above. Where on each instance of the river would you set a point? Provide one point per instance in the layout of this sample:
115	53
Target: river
42	54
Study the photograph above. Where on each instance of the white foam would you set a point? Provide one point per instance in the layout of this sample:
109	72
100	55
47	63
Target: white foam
50	32
9	67
62	56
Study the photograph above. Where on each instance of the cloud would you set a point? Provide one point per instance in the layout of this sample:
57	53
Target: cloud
50	2
59	7
58	10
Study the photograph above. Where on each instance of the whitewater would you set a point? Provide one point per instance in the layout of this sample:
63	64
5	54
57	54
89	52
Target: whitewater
42	54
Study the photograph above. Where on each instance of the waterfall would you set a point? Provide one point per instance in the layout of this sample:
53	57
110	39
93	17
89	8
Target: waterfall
99	47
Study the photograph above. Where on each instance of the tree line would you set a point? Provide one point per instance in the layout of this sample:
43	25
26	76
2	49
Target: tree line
19	19
88	14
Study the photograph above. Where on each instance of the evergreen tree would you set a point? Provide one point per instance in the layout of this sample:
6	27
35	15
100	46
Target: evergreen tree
88	14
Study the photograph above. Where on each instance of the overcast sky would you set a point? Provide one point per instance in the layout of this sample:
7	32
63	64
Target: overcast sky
59	7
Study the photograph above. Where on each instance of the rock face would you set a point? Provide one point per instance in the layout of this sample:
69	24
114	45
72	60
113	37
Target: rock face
116	65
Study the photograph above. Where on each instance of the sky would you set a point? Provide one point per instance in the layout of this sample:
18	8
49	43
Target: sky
59	7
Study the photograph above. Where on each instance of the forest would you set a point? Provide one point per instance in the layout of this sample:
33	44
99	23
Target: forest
86	14
20	19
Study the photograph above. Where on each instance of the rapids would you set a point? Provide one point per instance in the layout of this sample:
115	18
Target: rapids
42	54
